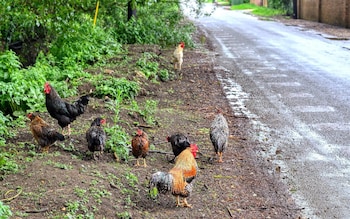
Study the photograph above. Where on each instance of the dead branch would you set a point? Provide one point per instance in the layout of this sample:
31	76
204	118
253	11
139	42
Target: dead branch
37	210
160	152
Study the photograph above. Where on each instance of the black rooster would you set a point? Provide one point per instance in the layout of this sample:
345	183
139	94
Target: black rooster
179	142
64	112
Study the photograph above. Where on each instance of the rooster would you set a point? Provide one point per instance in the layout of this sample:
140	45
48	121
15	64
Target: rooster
96	136
178	56
44	135
179	142
219	134
178	179
140	146
64	112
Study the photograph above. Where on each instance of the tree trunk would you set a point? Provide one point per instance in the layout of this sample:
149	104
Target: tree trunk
132	11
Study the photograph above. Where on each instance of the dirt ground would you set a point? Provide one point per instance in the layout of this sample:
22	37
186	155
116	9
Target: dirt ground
66	183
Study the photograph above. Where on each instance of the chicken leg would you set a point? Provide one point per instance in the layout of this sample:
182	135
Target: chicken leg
45	149
220	157
182	204
144	162
137	162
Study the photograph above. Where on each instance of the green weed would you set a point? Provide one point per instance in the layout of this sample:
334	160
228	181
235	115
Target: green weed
5	211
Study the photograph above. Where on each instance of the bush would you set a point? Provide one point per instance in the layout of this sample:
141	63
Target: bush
116	87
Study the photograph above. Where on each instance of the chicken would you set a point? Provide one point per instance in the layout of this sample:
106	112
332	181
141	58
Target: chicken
178	180
64	112
96	136
179	142
44	135
178	56
140	146
219	134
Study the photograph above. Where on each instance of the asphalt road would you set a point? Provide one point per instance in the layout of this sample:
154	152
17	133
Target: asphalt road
295	87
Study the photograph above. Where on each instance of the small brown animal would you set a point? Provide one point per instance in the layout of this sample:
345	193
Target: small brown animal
44	135
96	136
140	146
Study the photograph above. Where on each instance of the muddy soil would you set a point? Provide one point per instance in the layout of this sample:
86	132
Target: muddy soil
67	183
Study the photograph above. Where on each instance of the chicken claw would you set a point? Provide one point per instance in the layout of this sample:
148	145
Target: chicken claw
45	149
185	204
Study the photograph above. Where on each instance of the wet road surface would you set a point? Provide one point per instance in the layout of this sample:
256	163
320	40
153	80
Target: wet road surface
295	87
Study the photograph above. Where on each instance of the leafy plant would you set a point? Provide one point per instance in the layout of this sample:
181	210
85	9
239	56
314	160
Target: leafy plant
131	178
123	215
7	164
116	87
147	112
59	165
5	211
147	66
164	75
118	141
9	63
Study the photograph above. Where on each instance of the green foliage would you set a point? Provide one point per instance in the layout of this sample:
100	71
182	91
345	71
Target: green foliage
159	23
260	11
267	12
115	87
9	63
83	43
5	132
244	6
164	75
123	215
117	140
5	211
283	5
147	111
7	164
147	66
153	193
132	179
78	209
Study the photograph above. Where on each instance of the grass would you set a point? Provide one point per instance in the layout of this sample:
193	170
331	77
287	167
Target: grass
259	11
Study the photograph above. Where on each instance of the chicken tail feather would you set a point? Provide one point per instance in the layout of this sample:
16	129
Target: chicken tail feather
162	181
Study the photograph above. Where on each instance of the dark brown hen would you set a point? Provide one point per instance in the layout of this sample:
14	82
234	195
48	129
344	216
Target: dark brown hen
44	135
96	136
140	146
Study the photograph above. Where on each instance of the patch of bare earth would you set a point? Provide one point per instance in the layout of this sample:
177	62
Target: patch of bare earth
67	182
328	31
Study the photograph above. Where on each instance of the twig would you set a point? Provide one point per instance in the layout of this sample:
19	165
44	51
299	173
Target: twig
159	152
37	210
160	142
229	212
113	185
145	126
13	197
